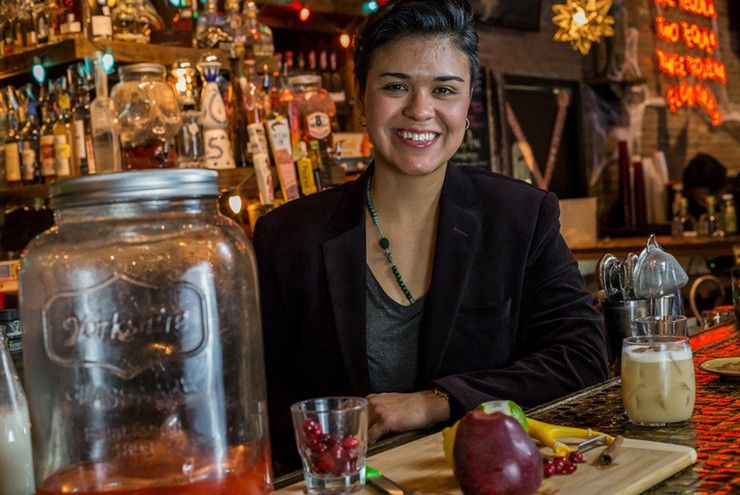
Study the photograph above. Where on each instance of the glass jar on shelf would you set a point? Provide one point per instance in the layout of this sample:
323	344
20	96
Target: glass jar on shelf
130	21
147	117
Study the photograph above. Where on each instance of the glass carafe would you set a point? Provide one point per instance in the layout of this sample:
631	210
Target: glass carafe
143	347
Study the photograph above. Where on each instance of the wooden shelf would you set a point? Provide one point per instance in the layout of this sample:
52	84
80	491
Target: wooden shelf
72	49
689	246
242	178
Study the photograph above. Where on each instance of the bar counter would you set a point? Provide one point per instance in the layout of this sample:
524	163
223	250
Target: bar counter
714	429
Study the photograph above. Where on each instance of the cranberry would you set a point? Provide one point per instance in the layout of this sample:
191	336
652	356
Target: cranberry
324	463
350	442
338	452
576	457
316	446
559	464
569	467
327	440
311	428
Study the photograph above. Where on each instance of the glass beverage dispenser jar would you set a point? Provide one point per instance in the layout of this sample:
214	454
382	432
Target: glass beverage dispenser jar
142	341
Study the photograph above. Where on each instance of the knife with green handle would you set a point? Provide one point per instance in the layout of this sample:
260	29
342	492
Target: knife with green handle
384	484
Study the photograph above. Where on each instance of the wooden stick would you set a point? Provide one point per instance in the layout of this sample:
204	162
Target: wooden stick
611	451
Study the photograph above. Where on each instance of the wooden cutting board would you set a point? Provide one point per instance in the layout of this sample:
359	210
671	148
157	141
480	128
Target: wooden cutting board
420	466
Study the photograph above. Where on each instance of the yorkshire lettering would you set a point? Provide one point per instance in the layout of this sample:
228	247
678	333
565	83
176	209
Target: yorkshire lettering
125	326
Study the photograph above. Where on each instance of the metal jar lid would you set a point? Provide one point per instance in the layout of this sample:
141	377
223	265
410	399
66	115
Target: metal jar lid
134	186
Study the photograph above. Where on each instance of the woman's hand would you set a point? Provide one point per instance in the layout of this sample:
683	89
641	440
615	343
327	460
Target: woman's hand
394	412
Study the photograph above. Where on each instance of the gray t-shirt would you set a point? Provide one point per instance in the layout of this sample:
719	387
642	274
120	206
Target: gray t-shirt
392	339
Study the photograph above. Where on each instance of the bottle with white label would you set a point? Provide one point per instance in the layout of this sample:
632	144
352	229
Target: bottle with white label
81	121
12	152
98	24
106	149
16	460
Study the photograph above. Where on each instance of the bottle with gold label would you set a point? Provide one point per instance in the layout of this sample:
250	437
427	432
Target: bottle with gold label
64	161
305	172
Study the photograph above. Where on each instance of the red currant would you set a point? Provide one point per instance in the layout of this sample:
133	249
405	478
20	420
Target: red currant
559	464
576	457
338	452
548	469
569	467
327	440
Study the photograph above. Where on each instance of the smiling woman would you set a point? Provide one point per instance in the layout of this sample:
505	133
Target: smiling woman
425	287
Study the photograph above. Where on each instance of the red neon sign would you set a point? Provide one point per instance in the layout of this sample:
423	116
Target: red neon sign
686	94
699	37
676	65
703	8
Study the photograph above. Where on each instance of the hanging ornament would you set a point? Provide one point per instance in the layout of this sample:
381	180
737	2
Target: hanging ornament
582	22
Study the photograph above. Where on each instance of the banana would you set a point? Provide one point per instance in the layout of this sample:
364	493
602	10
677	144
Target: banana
549	435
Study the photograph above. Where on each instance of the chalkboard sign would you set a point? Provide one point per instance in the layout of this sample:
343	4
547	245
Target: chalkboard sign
475	149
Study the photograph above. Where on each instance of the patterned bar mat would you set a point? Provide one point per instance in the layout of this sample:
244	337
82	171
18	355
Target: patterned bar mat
714	430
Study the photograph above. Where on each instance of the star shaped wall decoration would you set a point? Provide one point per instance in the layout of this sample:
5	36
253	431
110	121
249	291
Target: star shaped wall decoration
582	22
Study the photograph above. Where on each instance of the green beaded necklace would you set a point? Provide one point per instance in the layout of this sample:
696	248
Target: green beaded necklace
385	244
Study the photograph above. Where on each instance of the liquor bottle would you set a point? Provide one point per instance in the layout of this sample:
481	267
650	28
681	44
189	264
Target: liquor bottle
16	472
106	148
237	115
46	140
12	152
42	22
8	35
258	36
316	110
25	25
3	136
336	90
320	165
235	26
29	146
98	21
218	151
682	224
324	71
710	223
305	171
11	147
83	143
729	214
312	69
64	149
278	133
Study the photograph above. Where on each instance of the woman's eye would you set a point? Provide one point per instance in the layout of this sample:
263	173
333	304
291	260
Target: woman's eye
445	91
394	87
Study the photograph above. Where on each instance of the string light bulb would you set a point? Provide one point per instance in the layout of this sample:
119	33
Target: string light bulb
304	14
344	40
235	203
370	7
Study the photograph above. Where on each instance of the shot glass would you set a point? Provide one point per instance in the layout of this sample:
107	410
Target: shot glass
658	385
662	325
331	435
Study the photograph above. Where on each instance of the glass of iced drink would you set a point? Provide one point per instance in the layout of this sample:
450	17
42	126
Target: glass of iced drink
658	379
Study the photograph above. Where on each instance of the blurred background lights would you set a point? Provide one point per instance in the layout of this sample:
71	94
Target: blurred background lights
37	71
344	40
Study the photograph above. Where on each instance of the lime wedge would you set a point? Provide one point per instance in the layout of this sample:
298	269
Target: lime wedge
508	407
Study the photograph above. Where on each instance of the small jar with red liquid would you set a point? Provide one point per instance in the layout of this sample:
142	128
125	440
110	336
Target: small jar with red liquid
147	117
142	341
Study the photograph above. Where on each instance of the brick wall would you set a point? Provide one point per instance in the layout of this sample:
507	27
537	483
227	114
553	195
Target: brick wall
679	135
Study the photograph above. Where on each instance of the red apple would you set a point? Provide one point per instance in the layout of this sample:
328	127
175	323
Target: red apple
495	456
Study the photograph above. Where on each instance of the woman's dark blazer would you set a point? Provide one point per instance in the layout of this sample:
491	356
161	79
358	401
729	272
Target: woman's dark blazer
507	315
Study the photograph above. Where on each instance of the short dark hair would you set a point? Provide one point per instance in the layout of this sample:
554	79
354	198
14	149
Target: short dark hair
401	18
704	170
